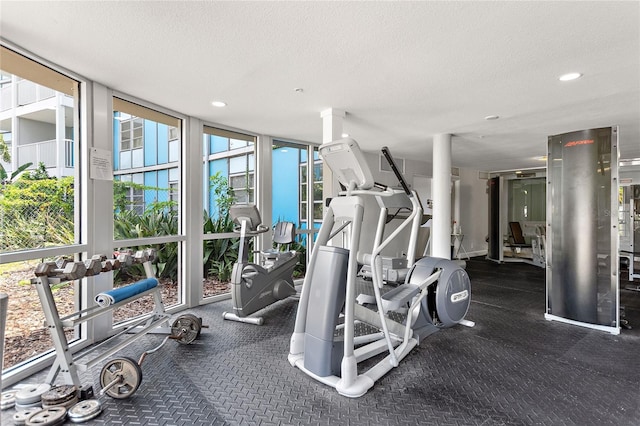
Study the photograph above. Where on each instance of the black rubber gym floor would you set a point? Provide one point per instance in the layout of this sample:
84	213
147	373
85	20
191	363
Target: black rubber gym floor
512	368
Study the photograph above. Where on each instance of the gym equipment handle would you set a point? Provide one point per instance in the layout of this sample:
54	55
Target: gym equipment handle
249	272
389	158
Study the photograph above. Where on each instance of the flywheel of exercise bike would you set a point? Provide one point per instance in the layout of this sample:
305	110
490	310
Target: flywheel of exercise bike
449	298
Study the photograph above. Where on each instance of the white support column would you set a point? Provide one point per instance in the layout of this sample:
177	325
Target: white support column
263	187
60	137
15	127
332	120
441	192
192	202
97	194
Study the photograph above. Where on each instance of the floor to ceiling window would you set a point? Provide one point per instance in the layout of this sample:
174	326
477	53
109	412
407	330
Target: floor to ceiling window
146	188
40	212
297	192
229	178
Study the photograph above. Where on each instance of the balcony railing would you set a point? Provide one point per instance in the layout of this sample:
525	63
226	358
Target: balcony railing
45	152
28	93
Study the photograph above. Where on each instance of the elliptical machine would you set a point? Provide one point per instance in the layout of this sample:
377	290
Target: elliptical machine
436	293
256	286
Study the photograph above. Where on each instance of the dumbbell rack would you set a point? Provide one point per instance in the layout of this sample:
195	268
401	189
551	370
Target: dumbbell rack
65	363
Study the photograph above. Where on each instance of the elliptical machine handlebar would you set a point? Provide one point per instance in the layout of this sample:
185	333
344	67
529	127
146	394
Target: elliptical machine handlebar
392	163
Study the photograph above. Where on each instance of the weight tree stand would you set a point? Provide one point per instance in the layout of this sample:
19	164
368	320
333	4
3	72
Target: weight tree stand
120	377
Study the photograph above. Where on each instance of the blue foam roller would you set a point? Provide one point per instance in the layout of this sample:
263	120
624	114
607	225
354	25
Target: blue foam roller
119	294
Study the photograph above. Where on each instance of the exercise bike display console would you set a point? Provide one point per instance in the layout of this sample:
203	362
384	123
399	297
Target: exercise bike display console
255	286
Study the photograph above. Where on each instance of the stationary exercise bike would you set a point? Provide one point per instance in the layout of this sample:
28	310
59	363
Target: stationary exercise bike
256	286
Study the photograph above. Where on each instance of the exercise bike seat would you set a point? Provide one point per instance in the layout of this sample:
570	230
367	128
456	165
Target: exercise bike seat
284	233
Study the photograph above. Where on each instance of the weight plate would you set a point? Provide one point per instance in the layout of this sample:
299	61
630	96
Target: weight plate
186	328
47	417
25	406
66	404
123	374
8	399
20	417
58	395
84	411
31	393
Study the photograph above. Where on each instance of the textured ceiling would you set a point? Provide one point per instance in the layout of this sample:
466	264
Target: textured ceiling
403	71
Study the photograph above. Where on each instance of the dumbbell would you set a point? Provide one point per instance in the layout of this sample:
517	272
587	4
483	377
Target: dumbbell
93	266
70	271
126	258
151	254
141	256
106	266
110	265
146	255
63	261
114	263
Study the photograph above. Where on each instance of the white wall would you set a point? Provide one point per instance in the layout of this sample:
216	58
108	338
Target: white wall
474	212
35	131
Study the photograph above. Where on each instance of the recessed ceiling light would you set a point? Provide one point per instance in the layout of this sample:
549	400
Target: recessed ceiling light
570	76
492	117
219	104
345	135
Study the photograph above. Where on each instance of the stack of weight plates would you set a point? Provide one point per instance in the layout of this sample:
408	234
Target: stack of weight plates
28	396
60	396
8	399
20	418
84	411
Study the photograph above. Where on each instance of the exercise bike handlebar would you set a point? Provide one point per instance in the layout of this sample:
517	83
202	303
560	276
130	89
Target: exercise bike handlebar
260	229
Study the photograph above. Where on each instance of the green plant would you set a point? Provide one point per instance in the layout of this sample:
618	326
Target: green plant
40	173
223	194
222	270
221	254
36	213
6	179
301	267
5	153
157	219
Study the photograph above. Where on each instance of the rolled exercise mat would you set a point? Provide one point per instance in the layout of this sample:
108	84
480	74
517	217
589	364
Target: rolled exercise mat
116	295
